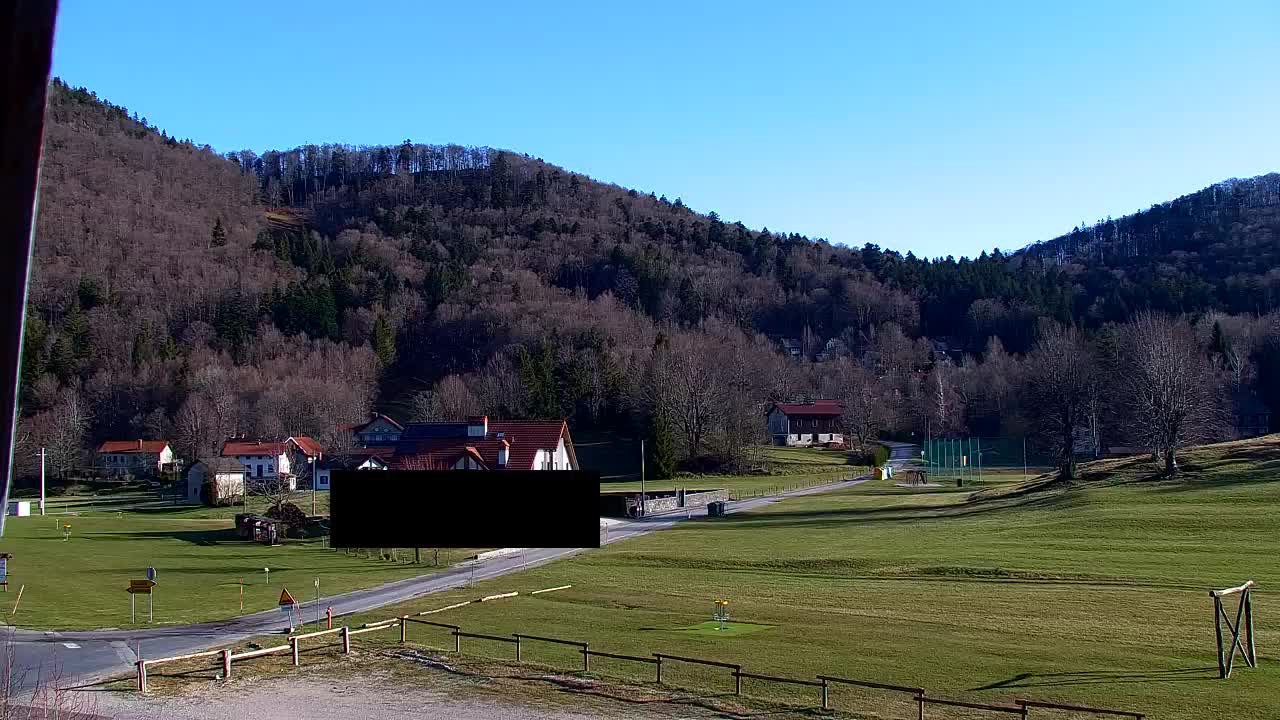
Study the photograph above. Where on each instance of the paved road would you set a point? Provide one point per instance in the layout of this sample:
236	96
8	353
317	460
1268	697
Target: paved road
88	656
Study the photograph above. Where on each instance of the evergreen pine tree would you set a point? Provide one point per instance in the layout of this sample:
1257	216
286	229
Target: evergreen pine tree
219	238
664	447
384	341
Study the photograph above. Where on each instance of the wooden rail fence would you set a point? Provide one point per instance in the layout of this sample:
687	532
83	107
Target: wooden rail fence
1020	707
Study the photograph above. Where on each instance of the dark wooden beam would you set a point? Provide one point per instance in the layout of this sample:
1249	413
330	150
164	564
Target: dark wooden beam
26	49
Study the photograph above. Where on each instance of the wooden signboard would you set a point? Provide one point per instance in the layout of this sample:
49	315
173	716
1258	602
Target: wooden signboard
141	586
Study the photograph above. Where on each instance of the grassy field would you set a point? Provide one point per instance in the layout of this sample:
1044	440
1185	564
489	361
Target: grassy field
1092	593
200	561
787	468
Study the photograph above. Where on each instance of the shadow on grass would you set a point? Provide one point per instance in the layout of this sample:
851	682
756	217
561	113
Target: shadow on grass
899	513
1101	677
195	537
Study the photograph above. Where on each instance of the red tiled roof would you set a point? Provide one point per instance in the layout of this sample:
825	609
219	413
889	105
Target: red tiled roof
133	446
823	408
307	445
252	447
524	440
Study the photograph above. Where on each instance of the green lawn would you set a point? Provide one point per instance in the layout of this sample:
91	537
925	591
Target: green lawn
1093	593
786	469
80	583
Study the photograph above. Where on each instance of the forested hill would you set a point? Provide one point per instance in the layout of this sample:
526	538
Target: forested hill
1216	248
185	294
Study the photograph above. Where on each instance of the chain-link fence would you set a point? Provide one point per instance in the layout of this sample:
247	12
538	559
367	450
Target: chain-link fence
981	458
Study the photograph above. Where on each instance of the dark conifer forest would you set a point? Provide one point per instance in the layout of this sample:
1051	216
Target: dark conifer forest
185	294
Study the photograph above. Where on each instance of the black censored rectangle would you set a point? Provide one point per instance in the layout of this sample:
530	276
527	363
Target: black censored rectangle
464	509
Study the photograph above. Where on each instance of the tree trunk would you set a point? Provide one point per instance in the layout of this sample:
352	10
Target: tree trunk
1170	462
417	556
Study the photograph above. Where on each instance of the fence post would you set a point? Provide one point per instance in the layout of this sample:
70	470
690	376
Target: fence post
517	648
404	631
457	642
920	699
226	664
737	676
293	642
659	669
346	640
586	658
142	675
824	694
1217	626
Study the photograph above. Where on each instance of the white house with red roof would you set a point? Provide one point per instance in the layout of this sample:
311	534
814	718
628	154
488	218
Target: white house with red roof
133	456
811	422
478	444
262	459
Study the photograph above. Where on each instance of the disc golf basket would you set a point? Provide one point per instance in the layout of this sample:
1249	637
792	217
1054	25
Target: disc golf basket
722	613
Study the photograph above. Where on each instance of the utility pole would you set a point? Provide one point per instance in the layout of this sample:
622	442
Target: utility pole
642	502
315	468
42	454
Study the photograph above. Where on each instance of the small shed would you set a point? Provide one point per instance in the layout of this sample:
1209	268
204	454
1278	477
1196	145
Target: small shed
216	481
20	508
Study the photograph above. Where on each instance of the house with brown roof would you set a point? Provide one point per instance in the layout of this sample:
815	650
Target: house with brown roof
379	430
118	457
216	481
805	423
478	444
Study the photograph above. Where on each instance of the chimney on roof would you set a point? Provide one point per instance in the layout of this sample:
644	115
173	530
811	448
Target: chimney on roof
373	414
478	426
504	454
139	444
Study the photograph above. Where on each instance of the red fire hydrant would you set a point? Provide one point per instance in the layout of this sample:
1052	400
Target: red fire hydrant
329	615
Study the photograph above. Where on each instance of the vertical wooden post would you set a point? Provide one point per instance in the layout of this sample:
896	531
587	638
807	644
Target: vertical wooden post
517	648
824	694
346	640
142	675
404	629
1248	624
659	669
293	642
920	699
226	664
586	658
457	642
1217	627
737	680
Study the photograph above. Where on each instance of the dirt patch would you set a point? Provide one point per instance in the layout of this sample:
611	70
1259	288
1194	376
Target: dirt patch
410	683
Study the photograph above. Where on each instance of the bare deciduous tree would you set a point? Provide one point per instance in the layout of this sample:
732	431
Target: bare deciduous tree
1059	386
1169	388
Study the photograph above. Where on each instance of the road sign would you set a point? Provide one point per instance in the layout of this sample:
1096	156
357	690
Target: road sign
286	599
141	586
151	574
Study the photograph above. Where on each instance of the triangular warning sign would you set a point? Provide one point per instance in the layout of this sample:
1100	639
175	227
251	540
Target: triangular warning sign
286	598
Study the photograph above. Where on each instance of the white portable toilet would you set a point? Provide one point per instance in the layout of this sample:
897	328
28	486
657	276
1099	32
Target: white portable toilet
20	508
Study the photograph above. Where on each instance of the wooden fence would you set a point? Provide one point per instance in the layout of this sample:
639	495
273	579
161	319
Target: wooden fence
1021	707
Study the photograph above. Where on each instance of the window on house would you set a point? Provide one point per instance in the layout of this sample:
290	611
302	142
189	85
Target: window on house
259	469
270	468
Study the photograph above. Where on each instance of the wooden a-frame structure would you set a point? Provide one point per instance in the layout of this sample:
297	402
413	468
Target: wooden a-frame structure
1244	612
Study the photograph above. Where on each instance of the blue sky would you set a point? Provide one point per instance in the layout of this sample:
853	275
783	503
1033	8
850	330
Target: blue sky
942	128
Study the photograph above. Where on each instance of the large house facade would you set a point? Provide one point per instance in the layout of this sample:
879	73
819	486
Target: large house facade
380	430
802	424
262	460
478	444
118	457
